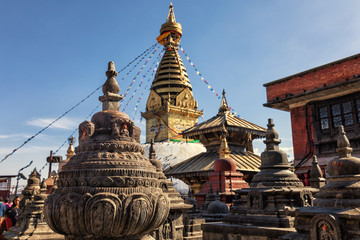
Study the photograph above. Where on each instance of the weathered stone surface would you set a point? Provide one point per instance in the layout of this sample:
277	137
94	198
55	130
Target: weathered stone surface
108	190
336	211
266	210
31	223
317	180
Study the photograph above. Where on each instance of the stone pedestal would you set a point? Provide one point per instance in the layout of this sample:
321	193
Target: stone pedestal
266	210
336	211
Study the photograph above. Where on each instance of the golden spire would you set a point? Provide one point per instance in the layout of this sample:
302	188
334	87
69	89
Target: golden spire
71	150
171	15
224	106
224	151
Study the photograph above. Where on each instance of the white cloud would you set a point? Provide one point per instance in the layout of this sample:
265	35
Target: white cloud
11	136
63	123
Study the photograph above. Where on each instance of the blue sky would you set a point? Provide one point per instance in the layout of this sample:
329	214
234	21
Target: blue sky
54	53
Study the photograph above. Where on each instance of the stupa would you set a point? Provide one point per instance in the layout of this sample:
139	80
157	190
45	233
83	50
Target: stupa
31	223
266	210
171	107
108	189
336	211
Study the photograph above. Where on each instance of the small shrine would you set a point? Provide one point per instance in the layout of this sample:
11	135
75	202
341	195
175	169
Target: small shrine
225	178
196	170
31	223
266	210
335	214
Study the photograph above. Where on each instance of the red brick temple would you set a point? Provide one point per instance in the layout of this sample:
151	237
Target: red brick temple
319	101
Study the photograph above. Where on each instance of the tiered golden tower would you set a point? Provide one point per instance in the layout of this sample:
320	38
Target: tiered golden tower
171	107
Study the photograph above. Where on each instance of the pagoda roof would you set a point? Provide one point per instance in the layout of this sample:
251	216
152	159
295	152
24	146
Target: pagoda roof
227	119
204	162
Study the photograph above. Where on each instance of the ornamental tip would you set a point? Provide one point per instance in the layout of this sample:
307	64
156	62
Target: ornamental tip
272	142
111	72
224	106
171	15
343	144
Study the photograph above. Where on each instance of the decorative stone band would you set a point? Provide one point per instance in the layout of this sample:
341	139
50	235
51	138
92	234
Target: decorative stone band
117	146
105	214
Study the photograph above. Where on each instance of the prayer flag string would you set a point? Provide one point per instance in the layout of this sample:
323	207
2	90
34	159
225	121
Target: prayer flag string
232	110
136	76
141	82
57	119
148	81
72	134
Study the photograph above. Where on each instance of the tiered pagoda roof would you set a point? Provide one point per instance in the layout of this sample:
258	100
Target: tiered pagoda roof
240	136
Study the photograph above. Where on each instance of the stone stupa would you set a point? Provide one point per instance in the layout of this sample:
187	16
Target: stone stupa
266	210
31	223
336	211
108	189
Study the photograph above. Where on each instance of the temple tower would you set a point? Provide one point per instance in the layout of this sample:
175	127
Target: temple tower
171	107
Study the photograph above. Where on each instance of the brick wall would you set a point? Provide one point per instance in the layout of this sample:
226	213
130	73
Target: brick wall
328	75
299	132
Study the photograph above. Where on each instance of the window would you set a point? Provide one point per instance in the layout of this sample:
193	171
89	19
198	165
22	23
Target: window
341	111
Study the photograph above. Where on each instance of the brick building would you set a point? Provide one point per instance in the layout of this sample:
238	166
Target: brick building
319	101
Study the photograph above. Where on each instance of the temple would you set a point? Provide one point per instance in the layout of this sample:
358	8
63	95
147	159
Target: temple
171	107
240	133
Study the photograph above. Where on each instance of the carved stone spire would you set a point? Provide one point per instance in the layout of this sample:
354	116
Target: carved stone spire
111	90
343	144
224	106
317	180
275	168
152	157
272	137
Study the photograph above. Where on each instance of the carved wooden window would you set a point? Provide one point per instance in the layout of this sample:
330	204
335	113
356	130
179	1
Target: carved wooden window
324	118
341	111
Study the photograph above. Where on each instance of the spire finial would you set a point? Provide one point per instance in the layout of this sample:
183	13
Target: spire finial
315	170
224	151
152	154
71	150
272	137
224	106
111	90
343	144
171	15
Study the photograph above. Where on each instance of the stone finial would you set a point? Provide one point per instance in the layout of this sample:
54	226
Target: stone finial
272	137
70	151
316	176
111	90
152	157
343	144
152	154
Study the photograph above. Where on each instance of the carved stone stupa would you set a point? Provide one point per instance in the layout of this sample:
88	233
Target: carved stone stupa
266	210
31	223
109	189
336	211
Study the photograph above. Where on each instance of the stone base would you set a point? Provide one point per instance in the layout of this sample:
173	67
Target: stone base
40	232
223	231
146	237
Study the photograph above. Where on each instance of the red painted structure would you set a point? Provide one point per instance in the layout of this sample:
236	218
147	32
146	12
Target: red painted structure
319	100
224	179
